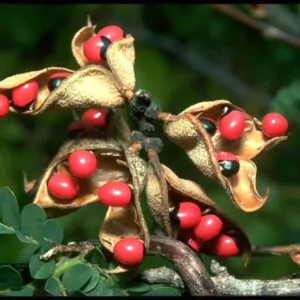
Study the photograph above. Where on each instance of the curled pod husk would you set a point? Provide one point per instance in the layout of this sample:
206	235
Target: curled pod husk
189	133
120	58
250	144
186	190
89	86
127	221
158	201
107	146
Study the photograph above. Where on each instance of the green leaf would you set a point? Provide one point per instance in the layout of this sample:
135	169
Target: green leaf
107	288
140	288
76	277
52	231
32	218
55	287
163	291
93	281
25	291
25	239
40	269
10	278
9	208
6	229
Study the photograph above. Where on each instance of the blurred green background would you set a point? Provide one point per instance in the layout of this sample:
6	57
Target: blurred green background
184	54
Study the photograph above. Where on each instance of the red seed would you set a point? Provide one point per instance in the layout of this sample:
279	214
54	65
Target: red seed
63	186
225	246
274	124
25	93
92	49
4	105
232	125
113	33
188	237
96	117
189	214
221	156
82	163
208	228
115	193
77	125
129	251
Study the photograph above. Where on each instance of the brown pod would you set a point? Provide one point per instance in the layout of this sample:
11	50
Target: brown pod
252	141
189	133
127	221
179	189
120	58
79	90
158	202
109	156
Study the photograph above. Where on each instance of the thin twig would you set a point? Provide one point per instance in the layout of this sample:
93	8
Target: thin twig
268	30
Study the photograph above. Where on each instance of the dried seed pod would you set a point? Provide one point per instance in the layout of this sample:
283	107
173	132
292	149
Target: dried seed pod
106	145
79	90
179	189
120	56
249	145
80	37
127	221
190	134
158	202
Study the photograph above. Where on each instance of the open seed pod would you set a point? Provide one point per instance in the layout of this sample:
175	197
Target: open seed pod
185	190
90	86
127	221
118	57
251	142
107	146
188	132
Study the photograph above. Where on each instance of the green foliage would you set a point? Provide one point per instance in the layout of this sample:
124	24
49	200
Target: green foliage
58	276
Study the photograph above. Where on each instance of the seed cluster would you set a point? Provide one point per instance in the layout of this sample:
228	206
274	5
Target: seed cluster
23	96
95	48
231	127
203	231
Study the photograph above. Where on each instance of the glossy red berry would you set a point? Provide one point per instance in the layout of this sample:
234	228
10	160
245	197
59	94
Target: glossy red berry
208	228
274	124
82	163
225	246
232	125
25	93
189	238
115	193
63	186
4	105
56	79
96	117
188	214
113	33
228	163
95	48
129	251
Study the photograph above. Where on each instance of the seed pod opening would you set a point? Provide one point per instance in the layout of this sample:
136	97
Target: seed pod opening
202	148
79	90
252	141
119	58
186	190
127	221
